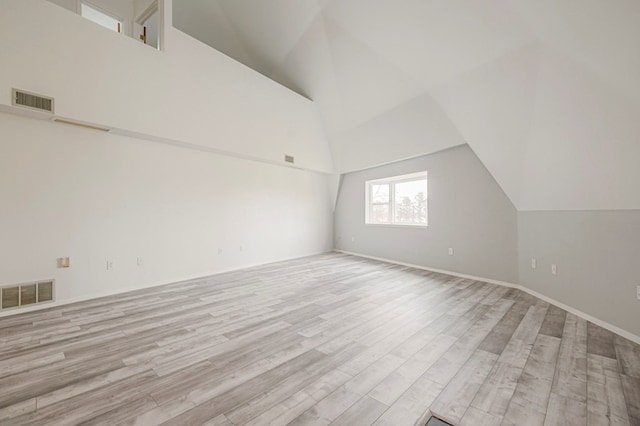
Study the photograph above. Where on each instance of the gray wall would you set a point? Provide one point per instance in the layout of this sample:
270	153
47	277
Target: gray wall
598	259
467	211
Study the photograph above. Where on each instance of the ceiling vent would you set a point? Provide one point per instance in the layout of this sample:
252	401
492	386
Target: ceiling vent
288	158
26	294
32	101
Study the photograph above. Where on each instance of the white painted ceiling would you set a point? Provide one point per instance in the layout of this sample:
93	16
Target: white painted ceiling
546	92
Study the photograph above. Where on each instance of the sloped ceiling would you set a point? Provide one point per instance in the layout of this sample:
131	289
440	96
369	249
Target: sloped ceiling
546	92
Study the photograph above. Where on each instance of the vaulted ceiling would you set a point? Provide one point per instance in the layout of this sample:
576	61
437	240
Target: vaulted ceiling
546	92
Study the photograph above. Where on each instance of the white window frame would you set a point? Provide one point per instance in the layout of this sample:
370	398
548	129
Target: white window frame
107	13
154	6
392	181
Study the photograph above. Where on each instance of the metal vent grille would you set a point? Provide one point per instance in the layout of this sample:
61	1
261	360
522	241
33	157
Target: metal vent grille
26	294
10	297
31	100
45	291
288	158
434	421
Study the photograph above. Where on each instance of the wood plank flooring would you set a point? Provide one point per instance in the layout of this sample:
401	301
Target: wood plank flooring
328	339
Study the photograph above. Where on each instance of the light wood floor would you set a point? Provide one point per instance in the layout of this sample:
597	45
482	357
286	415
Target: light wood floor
330	339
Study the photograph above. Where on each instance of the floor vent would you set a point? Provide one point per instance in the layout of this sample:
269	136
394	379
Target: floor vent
288	158
434	421
31	100
26	294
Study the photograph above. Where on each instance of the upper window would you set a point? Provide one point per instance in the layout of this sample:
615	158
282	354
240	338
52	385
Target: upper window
397	200
99	17
123	16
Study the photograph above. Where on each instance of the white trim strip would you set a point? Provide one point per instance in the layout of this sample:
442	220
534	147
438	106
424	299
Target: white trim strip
626	334
58	303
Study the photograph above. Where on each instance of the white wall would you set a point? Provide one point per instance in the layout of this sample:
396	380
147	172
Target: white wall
121	9
403	132
596	253
141	6
187	93
94	197
71	5
467	211
553	134
584	143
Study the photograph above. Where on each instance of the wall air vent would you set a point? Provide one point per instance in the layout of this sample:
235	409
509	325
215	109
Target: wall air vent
14	296
32	101
288	158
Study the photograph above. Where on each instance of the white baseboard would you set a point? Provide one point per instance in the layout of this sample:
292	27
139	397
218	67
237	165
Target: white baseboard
57	303
626	334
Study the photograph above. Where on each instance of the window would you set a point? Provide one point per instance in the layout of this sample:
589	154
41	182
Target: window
398	200
100	17
149	25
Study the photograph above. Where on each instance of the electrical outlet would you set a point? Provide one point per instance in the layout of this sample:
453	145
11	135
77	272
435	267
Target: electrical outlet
140	261
219	251
450	251
638	290
554	269
240	248
534	264
353	239
63	262
109	265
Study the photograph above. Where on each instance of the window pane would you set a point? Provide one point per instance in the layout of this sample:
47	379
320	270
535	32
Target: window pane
380	213
411	202
99	17
380	193
152	25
